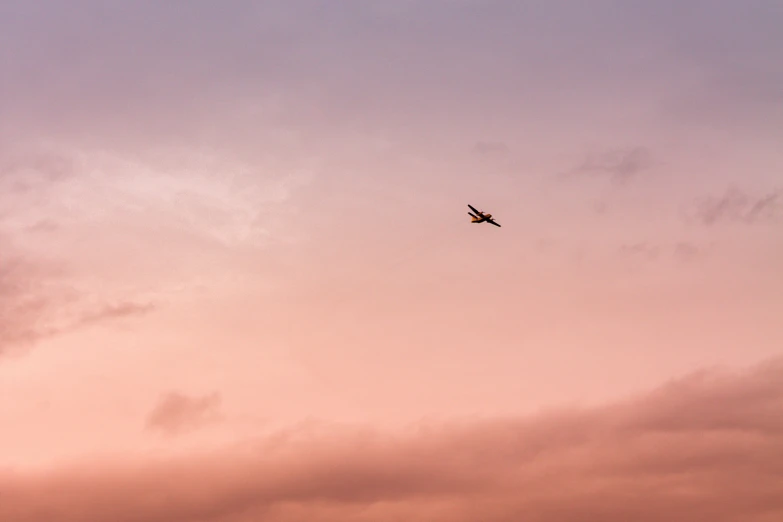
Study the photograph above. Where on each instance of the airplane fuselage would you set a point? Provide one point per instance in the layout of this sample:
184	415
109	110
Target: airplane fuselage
481	218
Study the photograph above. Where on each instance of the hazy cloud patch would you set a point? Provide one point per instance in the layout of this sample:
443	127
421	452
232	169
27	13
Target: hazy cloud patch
688	252
177	413
684	251
491	149
640	250
620	165
736	205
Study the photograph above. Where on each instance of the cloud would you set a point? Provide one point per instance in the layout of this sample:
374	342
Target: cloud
643	250
491	149
199	203
54	196
43	226
685	251
27	178
177	413
705	447
35	303
22	168
738	206
619	165
25	307
115	311
33	179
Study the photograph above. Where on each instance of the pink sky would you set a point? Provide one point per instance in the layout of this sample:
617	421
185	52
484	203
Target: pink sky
228	226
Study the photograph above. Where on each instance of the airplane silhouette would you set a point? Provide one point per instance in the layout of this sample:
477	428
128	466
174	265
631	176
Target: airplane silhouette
481	217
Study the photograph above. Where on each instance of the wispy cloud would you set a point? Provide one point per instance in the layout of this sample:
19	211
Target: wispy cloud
36	302
145	221
643	250
491	149
680	250
687	251
22	169
736	205
700	448
113	311
26	312
28	317
619	165
177	413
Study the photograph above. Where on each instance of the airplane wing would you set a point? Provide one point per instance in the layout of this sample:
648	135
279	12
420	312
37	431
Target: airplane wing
493	222
472	214
474	210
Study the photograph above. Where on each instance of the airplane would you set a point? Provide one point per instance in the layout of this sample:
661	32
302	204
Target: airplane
481	217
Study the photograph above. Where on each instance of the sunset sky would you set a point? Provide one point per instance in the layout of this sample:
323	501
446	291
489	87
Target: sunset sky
238	280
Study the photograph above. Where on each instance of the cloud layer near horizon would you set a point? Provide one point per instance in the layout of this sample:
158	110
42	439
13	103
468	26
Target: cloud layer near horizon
705	447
